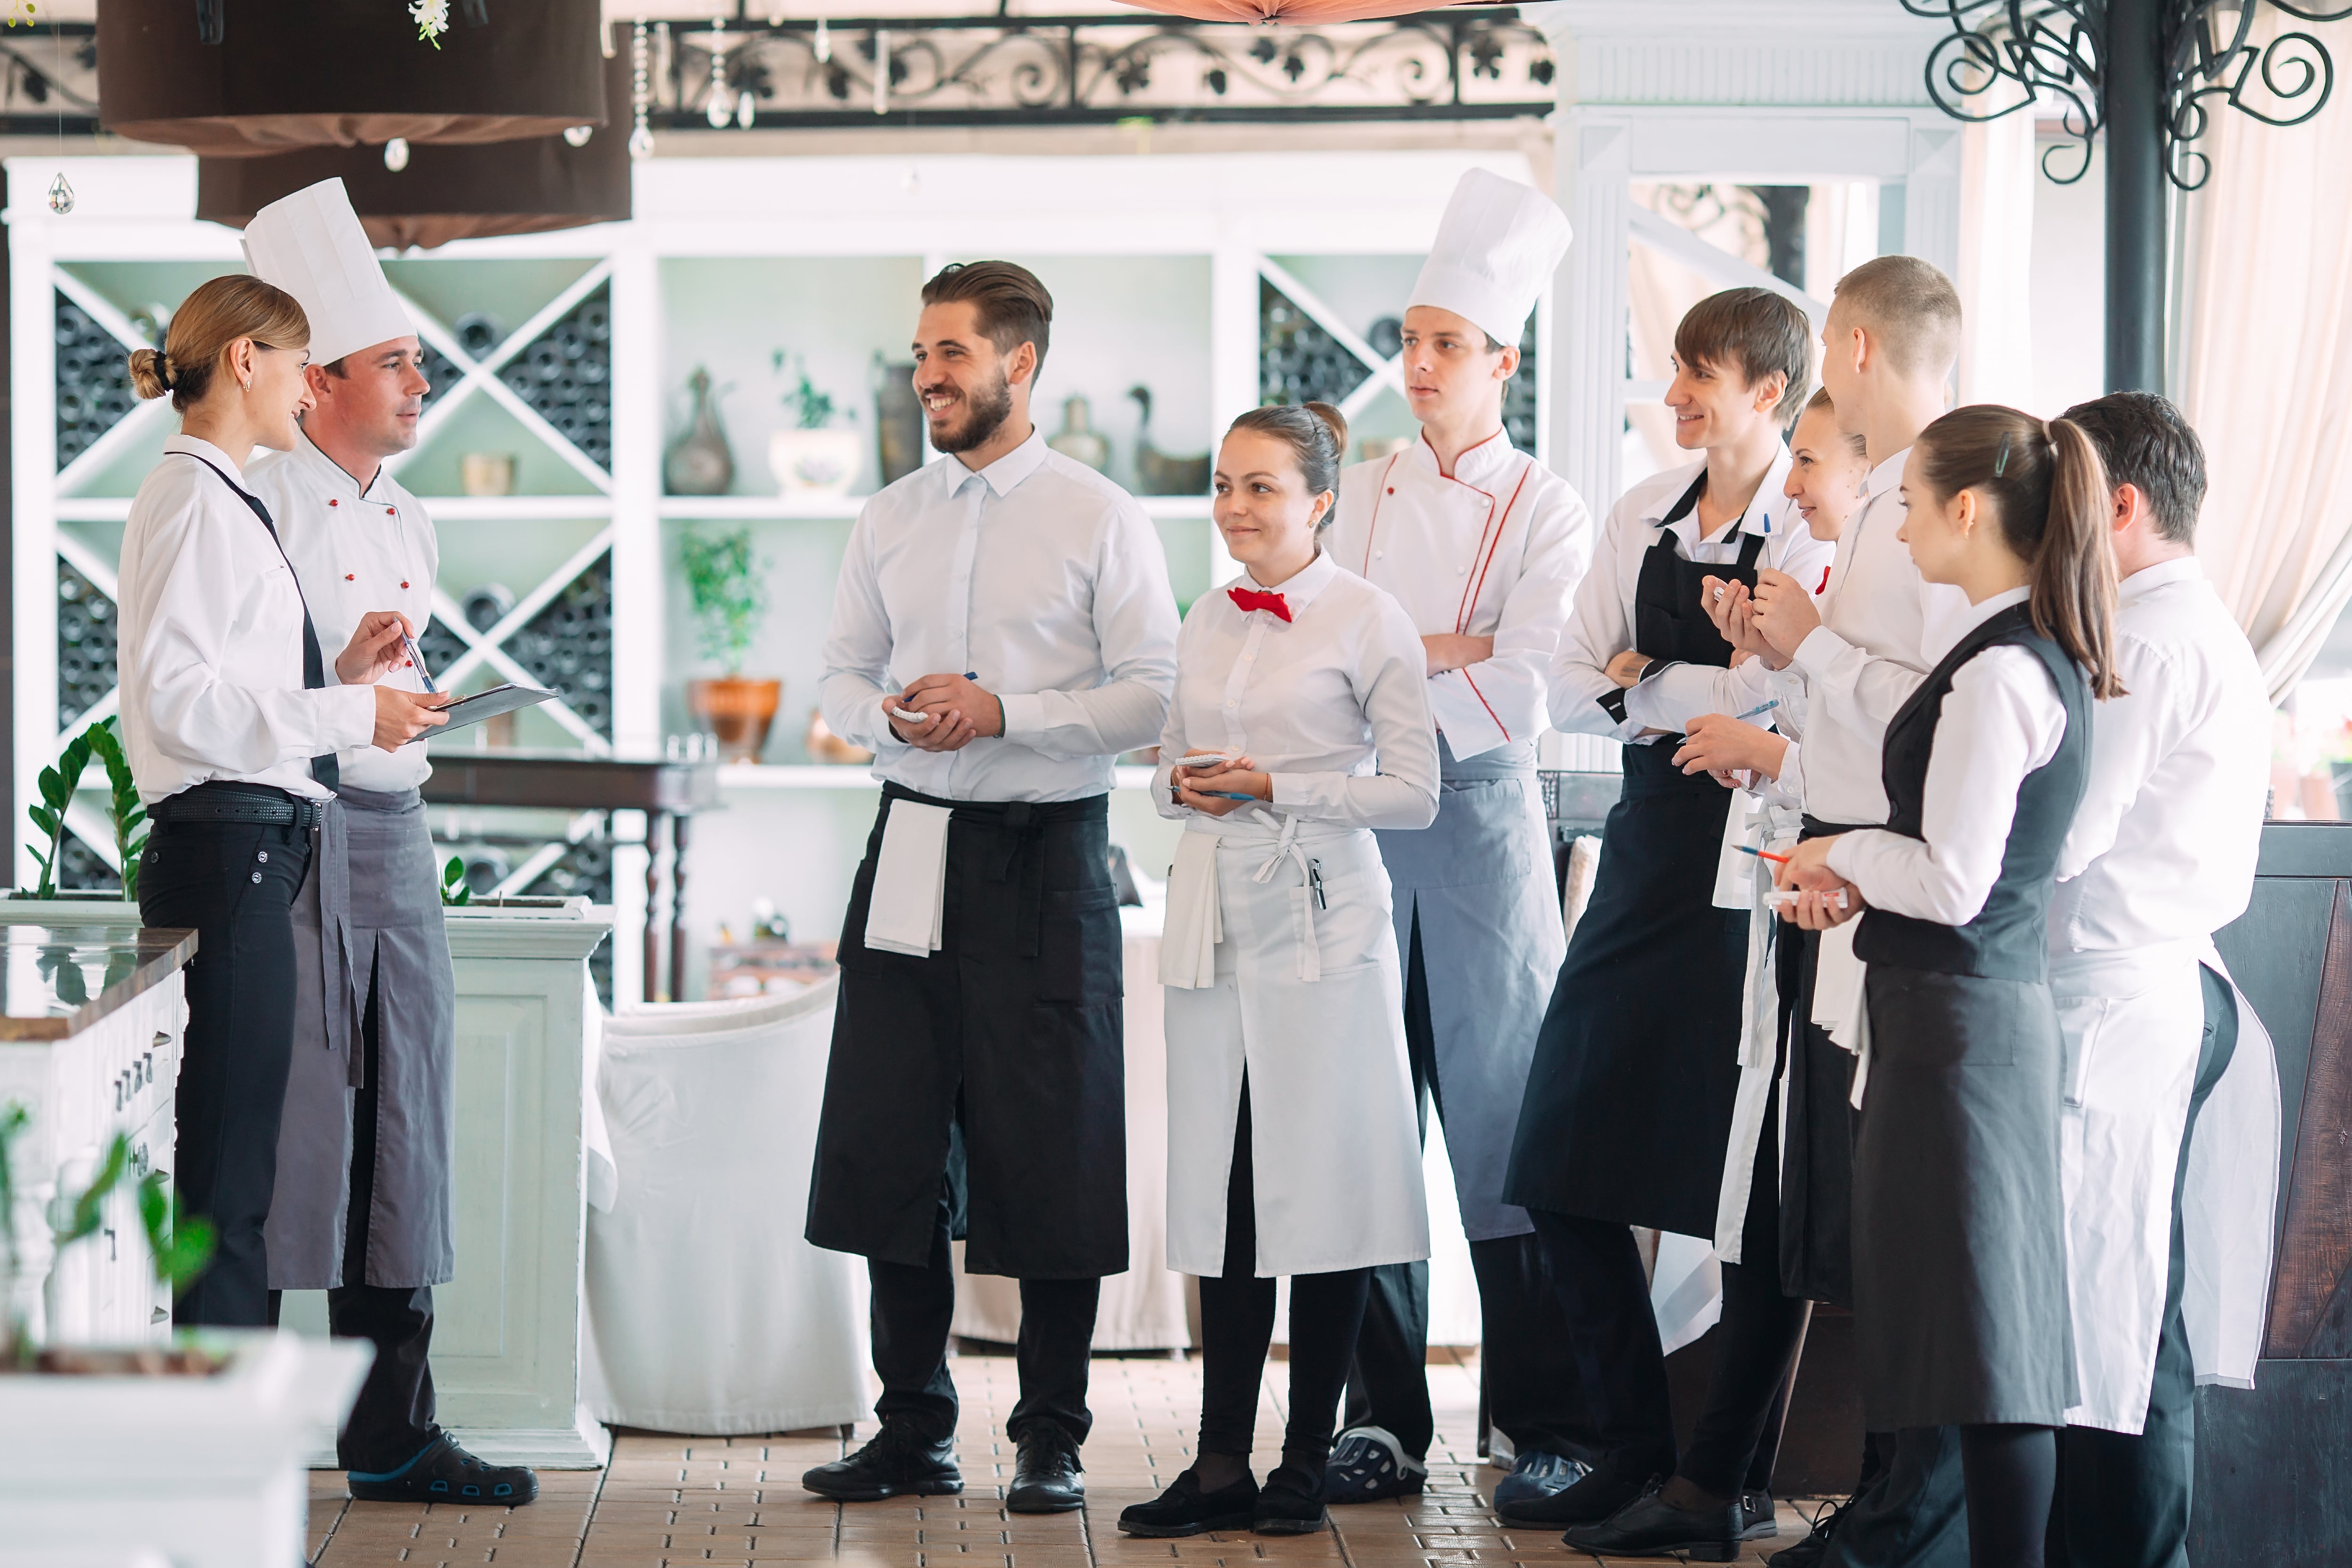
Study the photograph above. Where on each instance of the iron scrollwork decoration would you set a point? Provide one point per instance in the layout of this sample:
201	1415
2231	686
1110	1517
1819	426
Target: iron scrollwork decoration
2056	49
1470	63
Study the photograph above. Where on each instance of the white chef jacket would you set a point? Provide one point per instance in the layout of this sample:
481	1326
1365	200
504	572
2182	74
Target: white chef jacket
2002	719
1883	627
355	550
1333	703
210	651
1036	572
1493	550
1603	625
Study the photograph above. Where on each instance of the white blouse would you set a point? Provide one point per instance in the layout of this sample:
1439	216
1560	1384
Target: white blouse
210	658
1334	703
2003	720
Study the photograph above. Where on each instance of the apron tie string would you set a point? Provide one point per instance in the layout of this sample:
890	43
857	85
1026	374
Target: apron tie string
1021	832
1310	955
338	983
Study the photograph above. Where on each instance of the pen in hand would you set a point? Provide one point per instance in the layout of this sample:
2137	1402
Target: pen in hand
417	659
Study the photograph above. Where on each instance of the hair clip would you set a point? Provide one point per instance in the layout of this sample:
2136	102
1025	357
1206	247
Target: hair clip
2002	460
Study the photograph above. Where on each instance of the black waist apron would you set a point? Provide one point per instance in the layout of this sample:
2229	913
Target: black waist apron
1817	1147
996	1065
1629	1102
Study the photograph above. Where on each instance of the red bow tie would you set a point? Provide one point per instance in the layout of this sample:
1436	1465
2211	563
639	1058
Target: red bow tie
1251	599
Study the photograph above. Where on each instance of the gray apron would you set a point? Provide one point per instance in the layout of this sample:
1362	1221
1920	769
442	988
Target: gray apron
1479	881
393	931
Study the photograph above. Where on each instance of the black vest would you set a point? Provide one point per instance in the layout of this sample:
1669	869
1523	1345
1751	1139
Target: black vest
2009	939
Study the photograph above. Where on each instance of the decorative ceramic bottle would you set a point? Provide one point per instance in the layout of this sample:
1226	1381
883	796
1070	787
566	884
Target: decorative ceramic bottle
699	462
1077	438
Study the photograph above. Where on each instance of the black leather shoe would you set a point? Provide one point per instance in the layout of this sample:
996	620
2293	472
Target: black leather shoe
1291	1503
1809	1551
444	1472
1757	1517
1650	1526
899	1462
1185	1509
1599	1494
1045	1473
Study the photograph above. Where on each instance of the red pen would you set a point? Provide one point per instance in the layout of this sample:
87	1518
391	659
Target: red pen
1761	854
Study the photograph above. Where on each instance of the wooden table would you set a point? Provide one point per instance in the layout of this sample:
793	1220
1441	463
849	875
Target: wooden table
666	791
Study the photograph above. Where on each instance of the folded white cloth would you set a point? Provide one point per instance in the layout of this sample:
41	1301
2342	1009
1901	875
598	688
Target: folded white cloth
1188	945
907	908
1838	1002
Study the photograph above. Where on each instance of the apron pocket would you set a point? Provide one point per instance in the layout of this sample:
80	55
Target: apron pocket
1079	946
852	953
1919	1019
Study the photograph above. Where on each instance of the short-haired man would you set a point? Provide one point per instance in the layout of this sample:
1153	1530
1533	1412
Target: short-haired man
1888	347
365	1150
1001	629
2172	1101
1483	546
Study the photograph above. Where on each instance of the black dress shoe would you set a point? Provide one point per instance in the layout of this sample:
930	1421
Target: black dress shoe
1757	1518
1290	1504
444	1472
1045	1473
1185	1509
1809	1551
899	1462
1596	1496
1650	1526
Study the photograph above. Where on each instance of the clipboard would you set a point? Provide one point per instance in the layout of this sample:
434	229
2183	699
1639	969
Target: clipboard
487	704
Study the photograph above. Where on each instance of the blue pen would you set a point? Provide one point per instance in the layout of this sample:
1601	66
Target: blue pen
1760	708
417	659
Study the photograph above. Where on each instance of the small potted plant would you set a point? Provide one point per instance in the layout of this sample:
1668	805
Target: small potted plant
731	599
57	784
812	456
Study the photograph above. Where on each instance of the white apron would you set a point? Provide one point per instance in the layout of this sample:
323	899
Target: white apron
1310	1001
1741	884
2134	1023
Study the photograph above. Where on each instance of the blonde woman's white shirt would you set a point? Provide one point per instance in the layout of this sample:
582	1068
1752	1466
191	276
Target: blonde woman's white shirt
209	654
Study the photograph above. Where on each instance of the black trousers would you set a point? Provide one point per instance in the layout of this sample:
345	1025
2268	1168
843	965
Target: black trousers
912	1312
1527	1369
1237	1328
1604	1295
234	884
2123	1501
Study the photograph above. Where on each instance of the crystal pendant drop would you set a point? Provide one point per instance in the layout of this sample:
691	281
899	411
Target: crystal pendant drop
641	142
61	197
578	135
395	153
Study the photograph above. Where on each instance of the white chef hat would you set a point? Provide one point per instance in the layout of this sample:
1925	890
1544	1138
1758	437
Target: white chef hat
310	244
1496	248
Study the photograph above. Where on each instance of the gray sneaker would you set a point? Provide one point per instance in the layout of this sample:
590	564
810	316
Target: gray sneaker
1368	1464
1538	1474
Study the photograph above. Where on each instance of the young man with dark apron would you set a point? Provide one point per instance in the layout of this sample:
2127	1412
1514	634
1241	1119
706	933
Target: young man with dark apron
1001	629
1483	546
1629	1101
365	1189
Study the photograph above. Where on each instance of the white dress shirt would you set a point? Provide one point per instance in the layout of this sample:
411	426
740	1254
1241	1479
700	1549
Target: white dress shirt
1332	703
1883	627
2163	848
1495	550
2003	720
355	551
1037	573
210	656
1603	625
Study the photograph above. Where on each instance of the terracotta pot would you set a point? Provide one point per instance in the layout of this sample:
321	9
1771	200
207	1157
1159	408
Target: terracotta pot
736	711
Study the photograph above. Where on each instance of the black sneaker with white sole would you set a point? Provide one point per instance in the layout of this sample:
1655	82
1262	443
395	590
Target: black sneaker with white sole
1368	1464
444	1472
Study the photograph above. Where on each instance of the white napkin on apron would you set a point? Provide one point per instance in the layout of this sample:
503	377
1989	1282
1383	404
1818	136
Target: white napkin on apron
905	911
1194	923
1735	873
1838	1003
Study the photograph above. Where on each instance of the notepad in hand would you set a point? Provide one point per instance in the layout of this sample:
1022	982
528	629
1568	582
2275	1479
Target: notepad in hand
487	704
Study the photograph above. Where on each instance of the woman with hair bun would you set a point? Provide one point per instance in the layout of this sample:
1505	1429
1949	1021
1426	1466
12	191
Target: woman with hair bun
1284	993
1960	1249
231	719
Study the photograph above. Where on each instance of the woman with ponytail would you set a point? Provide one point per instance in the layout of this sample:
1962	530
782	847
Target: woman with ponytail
1960	1255
1293	1145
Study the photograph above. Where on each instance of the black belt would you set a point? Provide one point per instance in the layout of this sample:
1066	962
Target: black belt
220	803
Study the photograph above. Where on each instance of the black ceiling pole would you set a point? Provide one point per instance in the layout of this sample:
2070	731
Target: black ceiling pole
2137	197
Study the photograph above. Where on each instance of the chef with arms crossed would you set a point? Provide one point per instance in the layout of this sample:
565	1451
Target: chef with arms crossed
1483	546
2170	1136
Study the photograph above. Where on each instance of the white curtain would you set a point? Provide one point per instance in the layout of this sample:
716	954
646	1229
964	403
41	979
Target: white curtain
1996	176
2265	370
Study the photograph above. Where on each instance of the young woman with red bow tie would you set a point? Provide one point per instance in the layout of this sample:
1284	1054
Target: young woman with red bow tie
1305	687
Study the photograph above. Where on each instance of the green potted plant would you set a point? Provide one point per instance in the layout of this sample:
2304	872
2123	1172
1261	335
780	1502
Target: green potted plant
729	590
56	787
812	455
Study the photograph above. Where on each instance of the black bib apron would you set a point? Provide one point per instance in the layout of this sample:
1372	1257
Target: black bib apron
1629	1102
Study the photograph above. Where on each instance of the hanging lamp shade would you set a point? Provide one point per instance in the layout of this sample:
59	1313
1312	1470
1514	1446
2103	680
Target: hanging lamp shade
445	193
286	74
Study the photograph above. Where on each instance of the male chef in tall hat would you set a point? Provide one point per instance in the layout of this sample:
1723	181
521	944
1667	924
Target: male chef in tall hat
362	1204
1483	546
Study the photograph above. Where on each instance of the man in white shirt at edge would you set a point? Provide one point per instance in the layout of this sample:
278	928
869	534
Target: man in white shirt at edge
2161	855
1001	629
364	1204
1484	547
1889	344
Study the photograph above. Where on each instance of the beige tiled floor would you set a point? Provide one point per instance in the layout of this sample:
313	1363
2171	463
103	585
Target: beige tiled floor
670	1500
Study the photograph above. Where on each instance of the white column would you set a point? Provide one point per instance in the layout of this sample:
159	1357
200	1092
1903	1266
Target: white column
33	518
1589	304
1931	194
1233	362
640	558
